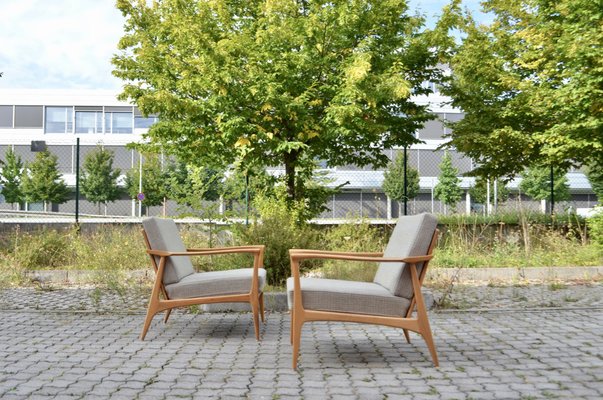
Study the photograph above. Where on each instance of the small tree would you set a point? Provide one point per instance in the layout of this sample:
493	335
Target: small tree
153	181
594	172
99	178
448	190
536	183
393	181
479	190
42	182
12	169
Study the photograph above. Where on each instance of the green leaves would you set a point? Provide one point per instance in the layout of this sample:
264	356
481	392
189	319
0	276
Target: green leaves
448	190
279	82
42	182
99	178
530	84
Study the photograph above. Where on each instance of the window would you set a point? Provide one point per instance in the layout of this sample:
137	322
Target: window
118	122
6	116
88	122
28	116
141	122
59	120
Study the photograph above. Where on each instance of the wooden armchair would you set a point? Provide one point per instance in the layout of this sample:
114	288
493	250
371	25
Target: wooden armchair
389	300
178	285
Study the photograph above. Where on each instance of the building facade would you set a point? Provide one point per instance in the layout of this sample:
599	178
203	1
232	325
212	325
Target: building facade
57	118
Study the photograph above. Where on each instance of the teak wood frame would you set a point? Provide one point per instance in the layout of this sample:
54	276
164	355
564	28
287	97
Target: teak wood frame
158	304
418	324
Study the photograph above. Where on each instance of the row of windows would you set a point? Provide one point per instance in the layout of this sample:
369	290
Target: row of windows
75	119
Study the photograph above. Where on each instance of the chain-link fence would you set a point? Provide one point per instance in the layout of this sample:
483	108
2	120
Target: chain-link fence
362	194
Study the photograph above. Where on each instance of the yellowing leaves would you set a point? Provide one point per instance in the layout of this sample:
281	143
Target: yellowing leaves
243	142
359	68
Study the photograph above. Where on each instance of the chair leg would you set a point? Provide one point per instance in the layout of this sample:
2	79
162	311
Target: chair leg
147	321
296	326
406	335
262	308
256	318
167	315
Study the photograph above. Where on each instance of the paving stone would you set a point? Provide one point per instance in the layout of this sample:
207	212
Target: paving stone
495	353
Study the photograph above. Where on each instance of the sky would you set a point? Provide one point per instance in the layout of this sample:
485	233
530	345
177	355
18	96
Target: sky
68	44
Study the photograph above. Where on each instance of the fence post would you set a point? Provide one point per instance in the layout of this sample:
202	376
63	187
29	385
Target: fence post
405	182
552	191
77	182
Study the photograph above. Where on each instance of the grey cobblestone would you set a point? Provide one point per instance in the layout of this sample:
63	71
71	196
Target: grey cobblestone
505	350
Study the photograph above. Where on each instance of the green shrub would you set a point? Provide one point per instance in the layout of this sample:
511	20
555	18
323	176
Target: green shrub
355	236
46	248
280	230
595	228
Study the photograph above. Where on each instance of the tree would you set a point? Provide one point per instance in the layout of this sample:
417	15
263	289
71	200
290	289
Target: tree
479	191
278	83
153	181
530	86
393	181
594	172
99	178
42	182
12	170
189	184
536	183
448	190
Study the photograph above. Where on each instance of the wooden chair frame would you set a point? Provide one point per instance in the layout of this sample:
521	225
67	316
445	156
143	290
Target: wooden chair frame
158	304
418	324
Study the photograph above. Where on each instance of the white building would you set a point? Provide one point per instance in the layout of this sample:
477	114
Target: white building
58	117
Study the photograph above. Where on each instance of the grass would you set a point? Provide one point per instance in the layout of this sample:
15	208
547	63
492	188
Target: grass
110	252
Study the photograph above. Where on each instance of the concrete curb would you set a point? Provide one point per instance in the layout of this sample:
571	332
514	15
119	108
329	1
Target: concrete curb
516	274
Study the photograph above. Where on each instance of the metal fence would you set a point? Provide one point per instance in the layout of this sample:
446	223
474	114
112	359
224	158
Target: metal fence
361	196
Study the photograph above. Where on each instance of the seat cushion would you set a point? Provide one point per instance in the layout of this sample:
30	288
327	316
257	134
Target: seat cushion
163	234
215	283
411	237
348	297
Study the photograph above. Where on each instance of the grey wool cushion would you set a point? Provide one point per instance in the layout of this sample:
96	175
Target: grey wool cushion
163	235
215	283
411	237
348	297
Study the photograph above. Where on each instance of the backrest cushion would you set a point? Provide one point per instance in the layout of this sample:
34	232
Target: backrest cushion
411	237
163	234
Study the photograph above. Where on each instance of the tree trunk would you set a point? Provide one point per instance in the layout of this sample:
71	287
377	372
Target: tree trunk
290	163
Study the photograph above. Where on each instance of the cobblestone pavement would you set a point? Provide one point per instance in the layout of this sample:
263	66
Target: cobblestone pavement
53	348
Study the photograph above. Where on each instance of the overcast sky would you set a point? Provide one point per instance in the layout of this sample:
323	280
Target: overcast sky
68	44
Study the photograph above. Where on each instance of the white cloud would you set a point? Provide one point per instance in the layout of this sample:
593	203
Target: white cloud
59	43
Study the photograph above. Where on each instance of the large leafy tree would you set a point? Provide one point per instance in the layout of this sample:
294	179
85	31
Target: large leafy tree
42	182
278	82
447	189
531	86
12	170
99	178
393	181
594	172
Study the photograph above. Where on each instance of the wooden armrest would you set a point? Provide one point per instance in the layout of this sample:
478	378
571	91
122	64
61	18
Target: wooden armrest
209	251
342	253
298	255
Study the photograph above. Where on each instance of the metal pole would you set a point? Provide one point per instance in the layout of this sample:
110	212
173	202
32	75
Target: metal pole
140	186
77	182
405	183
552	191
246	198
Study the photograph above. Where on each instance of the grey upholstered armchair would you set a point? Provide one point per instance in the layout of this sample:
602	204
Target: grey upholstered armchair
178	285
389	300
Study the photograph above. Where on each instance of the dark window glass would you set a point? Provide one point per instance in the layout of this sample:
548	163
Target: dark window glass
28	116
142	122
6	116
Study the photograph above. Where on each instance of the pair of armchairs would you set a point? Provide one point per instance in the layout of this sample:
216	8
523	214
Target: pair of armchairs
389	300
